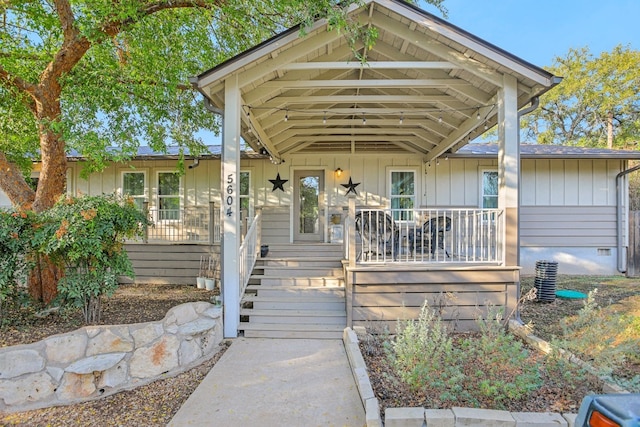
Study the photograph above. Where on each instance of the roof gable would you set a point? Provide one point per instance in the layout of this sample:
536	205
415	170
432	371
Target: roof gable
427	86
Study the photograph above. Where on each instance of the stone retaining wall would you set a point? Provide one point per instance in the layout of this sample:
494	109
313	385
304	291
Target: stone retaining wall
96	361
405	417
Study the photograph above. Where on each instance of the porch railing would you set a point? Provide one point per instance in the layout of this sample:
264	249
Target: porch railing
249	250
190	224
428	235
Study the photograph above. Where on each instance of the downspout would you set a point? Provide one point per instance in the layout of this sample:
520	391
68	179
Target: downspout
622	266
535	102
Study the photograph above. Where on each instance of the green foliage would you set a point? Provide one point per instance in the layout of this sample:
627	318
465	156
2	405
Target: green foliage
502	371
605	339
485	370
87	235
595	92
16	231
423	354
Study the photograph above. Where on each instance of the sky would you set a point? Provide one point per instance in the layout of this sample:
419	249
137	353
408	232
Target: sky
540	30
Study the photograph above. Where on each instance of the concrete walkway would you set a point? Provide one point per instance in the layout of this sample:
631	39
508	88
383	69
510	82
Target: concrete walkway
276	382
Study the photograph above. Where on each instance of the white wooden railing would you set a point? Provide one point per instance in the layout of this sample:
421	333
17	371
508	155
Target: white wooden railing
249	250
427	236
190	224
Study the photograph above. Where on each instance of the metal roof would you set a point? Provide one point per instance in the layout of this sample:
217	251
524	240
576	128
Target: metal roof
538	151
472	150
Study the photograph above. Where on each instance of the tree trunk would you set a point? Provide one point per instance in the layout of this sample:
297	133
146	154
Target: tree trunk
43	280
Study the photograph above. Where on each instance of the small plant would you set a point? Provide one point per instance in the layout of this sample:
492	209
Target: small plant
87	235
423	354
485	369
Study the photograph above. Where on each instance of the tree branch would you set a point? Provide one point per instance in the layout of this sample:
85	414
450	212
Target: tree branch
14	184
67	20
10	81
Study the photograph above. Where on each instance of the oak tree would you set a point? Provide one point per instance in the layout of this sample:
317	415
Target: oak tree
87	75
596	105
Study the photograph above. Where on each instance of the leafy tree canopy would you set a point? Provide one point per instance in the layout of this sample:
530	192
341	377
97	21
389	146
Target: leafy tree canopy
87	75
596	105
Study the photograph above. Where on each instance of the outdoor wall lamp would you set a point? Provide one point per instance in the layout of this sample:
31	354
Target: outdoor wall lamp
338	172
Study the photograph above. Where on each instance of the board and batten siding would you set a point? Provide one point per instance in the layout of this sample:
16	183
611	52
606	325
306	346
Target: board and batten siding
198	185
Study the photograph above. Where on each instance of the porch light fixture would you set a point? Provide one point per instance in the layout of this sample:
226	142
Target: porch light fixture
364	119
478	114
338	172
286	116
324	118
401	118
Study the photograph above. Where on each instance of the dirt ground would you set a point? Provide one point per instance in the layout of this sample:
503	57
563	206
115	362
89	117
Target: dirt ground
156	403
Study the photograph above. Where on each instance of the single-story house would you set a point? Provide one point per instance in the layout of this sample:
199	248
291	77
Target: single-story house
372	162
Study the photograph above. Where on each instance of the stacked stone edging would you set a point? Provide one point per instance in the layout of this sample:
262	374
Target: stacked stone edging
97	361
396	417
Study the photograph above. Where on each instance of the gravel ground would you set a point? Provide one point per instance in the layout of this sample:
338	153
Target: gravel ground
151	405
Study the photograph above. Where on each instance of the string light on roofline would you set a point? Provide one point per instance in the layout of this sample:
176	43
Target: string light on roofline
364	112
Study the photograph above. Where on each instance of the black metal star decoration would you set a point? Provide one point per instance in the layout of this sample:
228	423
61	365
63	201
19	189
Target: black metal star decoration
278	183
351	187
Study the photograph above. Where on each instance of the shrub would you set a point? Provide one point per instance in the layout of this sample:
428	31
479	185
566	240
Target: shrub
16	231
423	354
604	338
502	369
86	235
489	368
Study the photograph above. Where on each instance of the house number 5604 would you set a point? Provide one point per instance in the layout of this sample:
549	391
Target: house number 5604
230	193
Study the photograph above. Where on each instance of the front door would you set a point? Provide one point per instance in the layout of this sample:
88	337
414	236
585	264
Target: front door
308	217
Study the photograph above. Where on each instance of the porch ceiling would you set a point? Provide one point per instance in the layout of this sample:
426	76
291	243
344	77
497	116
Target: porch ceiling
426	87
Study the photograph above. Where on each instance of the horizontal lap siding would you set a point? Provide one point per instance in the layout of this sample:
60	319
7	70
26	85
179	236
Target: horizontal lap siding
173	264
378	299
564	226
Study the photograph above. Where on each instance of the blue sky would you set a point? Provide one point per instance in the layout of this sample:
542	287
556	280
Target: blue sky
539	30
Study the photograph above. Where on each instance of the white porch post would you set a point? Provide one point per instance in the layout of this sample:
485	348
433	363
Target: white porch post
509	167
230	207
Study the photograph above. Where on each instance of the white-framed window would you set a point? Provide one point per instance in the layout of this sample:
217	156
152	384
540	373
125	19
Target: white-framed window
489	189
134	185
402	194
169	184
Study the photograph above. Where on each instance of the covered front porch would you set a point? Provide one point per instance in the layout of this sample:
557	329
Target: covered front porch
426	89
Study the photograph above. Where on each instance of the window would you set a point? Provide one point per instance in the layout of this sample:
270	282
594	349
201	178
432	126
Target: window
168	196
133	185
489	189
403	194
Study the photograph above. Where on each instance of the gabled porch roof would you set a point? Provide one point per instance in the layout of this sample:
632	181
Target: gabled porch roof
427	86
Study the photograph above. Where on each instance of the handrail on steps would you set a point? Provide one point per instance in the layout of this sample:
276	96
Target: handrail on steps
249	250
